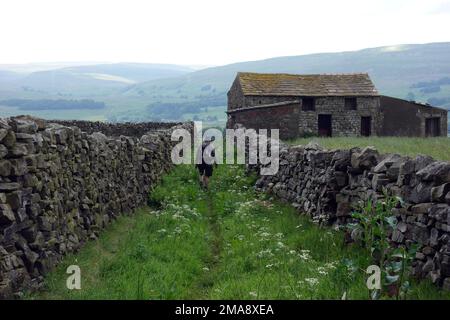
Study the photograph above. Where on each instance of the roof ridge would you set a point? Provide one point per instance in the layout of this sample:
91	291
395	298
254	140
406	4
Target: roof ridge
303	74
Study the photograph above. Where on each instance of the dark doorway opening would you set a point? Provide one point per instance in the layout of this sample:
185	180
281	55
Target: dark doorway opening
366	126
433	127
324	125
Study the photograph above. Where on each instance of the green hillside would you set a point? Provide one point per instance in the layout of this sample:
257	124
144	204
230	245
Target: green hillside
394	70
415	72
142	92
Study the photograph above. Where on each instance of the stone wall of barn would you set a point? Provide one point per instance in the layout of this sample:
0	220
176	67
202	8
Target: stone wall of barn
282	117
235	96
59	186
292	121
328	184
237	100
254	101
345	122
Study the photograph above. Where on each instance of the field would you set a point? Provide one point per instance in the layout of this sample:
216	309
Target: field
229	242
438	148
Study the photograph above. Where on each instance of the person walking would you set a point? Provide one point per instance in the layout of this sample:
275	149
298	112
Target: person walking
207	155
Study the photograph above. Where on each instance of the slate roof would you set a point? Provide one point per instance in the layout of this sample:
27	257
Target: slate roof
282	84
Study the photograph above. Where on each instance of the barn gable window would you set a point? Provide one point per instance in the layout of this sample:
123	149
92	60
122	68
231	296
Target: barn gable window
308	104
351	104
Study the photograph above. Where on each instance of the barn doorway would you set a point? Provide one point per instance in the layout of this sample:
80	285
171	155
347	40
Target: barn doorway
366	126
433	127
324	125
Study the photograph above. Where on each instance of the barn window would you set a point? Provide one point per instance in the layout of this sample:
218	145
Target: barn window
351	104
308	104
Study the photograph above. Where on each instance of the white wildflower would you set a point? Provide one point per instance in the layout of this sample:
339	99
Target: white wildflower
304	255
312	281
322	271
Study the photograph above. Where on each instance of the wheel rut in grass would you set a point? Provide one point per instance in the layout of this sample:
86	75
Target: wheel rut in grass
217	241
212	262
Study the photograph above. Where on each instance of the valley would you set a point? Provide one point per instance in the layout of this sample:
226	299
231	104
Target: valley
144	92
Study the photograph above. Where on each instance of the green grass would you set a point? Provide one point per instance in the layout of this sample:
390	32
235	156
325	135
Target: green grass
226	243
438	148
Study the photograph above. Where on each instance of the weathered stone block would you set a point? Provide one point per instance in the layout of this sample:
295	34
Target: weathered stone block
397	236
365	159
386	163
9	186
6	214
14	199
439	193
3	151
437	172
5	168
18	167
18	150
420	193
379	181
23	125
402	227
3	133
10	139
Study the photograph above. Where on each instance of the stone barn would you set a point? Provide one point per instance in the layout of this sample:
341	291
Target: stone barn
327	105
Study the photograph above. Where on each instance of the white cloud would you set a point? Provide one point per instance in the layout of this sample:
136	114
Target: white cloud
208	32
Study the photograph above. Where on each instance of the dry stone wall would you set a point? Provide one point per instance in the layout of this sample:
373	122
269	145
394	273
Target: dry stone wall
131	129
59	186
329	184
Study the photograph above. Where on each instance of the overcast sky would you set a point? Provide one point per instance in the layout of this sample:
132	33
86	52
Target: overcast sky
210	32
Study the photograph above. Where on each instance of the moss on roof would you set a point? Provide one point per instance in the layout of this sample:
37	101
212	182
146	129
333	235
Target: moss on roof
357	84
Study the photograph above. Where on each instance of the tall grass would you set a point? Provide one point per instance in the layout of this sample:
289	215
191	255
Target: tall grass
438	148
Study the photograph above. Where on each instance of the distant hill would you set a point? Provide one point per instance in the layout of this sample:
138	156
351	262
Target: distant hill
9	76
94	80
394	69
133	72
27	68
52	104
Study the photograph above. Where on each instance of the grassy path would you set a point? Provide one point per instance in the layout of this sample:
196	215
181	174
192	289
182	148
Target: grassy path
206	280
226	243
